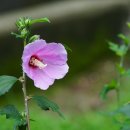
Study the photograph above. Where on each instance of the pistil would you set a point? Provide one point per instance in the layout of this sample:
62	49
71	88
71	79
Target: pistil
36	62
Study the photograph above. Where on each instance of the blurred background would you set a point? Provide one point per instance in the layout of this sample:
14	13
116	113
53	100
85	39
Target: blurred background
85	26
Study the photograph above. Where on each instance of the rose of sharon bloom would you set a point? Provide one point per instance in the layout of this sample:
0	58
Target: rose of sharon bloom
44	62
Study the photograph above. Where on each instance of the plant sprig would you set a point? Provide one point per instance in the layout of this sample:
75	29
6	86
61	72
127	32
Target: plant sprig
120	50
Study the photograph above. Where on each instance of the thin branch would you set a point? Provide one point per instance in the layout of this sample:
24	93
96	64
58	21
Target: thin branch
26	98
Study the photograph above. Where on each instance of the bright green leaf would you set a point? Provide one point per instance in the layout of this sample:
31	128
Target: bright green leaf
128	24
120	69
23	22
6	83
124	38
108	87
24	33
40	20
122	50
46	104
123	71
114	47
16	35
33	38
119	50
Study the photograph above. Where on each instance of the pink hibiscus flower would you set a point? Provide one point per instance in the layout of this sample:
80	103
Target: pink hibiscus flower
44	62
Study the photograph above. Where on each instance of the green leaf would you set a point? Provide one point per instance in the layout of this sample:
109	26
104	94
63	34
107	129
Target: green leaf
122	50
11	112
40	20
33	38
46	104
125	127
24	33
67	47
16	35
121	69
124	38
119	50
128	24
6	83
23	22
127	72
108	87
112	46
122	116
126	124
125	109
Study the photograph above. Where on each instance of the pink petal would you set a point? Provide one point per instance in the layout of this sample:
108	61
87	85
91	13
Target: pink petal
41	79
53	53
32	48
56	71
28	70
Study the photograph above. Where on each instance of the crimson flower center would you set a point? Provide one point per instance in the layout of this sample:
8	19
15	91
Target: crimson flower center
35	62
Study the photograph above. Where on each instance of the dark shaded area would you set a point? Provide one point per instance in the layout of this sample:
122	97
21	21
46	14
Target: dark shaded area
11	5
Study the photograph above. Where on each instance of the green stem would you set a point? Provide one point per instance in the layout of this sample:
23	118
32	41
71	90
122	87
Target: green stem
119	82
118	94
26	97
122	61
